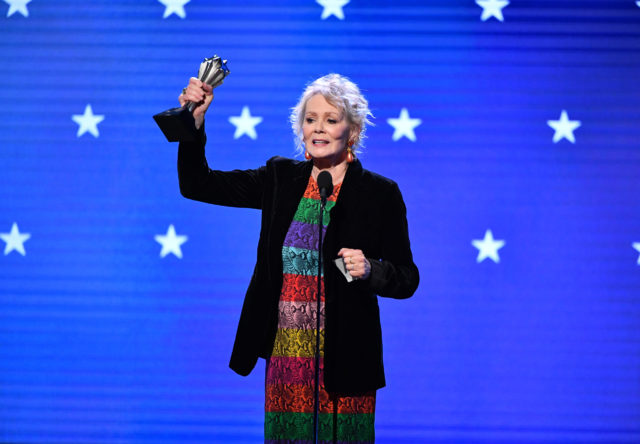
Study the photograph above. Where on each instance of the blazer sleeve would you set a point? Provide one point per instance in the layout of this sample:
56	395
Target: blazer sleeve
395	275
237	188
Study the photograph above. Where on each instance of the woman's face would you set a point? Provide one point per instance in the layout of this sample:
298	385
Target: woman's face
325	130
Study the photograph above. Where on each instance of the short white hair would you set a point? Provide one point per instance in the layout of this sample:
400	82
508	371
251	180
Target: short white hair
340	92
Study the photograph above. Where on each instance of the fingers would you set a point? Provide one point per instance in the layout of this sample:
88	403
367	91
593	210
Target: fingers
348	253
355	262
201	95
197	83
196	92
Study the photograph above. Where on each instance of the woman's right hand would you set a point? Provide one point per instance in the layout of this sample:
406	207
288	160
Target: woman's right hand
199	93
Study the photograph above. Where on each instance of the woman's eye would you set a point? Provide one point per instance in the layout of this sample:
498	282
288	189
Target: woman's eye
332	121
309	120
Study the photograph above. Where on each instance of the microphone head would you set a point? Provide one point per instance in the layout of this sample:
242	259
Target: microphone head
325	184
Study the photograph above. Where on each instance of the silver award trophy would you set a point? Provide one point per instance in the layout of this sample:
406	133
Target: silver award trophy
177	123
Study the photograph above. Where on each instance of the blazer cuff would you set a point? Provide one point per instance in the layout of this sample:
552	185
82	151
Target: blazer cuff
376	277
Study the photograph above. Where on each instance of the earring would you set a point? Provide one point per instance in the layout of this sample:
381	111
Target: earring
307	155
350	154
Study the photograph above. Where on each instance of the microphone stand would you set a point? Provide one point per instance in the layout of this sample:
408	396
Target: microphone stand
316	389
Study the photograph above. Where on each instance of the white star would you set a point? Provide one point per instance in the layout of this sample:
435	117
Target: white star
88	122
492	8
245	124
17	6
564	128
332	7
638	3
174	7
14	240
488	247
404	126
635	245
171	242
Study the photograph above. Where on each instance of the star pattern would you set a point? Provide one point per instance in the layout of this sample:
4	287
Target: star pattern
174	7
88	122
404	126
17	6
15	240
332	7
492	8
488	247
636	245
245	123
105	309
171	242
564	128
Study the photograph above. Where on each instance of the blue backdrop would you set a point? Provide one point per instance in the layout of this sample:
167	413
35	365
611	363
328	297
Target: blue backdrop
513	130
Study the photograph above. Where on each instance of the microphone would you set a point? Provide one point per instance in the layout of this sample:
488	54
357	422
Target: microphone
325	185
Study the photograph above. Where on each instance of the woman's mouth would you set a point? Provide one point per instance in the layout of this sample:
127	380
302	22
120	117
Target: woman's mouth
320	142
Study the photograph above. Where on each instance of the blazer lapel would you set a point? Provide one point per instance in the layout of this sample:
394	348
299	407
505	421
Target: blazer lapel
290	184
348	190
346	198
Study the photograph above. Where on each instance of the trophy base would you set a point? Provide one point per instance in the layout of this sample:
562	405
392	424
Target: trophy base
177	124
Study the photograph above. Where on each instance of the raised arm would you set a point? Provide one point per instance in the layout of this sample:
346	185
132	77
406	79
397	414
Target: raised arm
238	188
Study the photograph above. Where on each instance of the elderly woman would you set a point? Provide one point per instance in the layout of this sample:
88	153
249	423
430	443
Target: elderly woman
365	225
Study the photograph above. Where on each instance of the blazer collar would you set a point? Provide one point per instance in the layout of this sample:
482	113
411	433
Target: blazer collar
350	183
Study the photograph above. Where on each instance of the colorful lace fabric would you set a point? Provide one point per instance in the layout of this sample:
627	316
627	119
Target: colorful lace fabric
290	377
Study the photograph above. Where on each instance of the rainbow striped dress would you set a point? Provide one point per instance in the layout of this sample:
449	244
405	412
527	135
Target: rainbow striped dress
290	378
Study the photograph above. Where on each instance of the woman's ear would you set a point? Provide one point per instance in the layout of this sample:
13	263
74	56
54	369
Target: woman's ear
354	134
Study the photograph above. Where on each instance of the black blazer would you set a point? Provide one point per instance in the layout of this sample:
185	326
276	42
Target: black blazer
369	215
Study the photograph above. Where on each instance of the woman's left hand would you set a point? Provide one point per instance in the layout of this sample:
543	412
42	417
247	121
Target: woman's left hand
357	265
